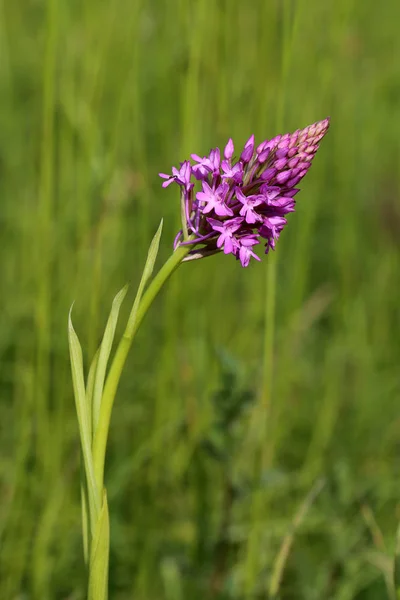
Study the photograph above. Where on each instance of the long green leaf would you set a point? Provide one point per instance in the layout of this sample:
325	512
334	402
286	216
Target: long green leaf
90	388
83	420
147	272
98	576
104	355
86	530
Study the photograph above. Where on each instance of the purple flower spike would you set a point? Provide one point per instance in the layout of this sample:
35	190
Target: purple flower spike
243	201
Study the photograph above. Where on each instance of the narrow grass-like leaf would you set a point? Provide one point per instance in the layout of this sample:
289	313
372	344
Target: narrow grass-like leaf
287	543
139	309
98	578
104	355
90	388
83	420
86	532
147	272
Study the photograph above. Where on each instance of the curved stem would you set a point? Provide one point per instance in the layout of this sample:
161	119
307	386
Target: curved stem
111	385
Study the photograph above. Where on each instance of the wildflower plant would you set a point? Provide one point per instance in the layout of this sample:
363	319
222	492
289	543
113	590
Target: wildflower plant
228	204
243	201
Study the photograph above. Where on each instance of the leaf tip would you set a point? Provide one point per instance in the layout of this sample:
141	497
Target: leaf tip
70	326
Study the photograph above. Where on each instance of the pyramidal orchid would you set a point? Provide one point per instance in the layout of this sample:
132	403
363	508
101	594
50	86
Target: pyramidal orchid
242	202
230	205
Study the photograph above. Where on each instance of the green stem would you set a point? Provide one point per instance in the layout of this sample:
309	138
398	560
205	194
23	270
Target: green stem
111	385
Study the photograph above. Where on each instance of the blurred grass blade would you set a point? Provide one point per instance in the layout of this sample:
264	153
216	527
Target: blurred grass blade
287	543
147	272
98	578
104	355
82	414
397	565
172	579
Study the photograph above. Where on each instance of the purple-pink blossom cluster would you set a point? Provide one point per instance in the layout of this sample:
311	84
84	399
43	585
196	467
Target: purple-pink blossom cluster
245	199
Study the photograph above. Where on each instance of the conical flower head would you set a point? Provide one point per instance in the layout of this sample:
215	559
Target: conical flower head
241	202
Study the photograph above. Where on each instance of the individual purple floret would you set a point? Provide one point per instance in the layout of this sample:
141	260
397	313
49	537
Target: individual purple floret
215	199
244	201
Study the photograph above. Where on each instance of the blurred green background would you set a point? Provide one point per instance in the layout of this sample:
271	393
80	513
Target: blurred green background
251	398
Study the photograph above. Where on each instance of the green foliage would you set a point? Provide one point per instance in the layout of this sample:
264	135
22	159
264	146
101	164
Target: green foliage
94	408
104	355
83	414
147	273
96	99
98	578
